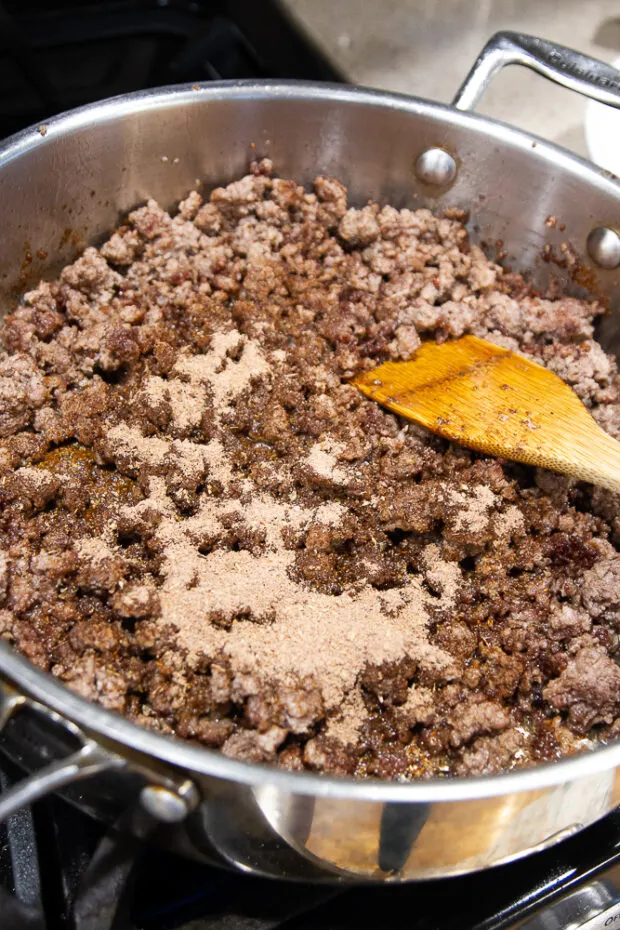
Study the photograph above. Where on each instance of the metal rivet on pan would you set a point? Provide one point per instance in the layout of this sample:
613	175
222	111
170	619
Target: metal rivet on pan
435	167
604	247
163	804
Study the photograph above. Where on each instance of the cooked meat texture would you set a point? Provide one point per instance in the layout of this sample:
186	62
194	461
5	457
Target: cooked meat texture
328	290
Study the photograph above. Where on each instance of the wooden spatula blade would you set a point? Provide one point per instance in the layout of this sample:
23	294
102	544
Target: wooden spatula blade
495	401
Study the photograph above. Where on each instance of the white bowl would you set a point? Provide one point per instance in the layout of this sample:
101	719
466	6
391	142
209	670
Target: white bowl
602	131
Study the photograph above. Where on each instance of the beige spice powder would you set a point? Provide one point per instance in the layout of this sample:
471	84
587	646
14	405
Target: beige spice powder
34	476
226	376
247	605
473	507
187	401
95	550
512	521
346	725
442	576
323	461
140	450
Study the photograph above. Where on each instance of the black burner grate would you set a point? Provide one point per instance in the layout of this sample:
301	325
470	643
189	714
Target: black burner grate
61	870
55	56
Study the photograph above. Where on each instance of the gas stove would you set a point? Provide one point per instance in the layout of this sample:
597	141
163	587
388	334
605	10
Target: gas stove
59	55
62	870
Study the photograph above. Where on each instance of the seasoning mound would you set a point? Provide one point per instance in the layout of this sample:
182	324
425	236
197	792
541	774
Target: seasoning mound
205	528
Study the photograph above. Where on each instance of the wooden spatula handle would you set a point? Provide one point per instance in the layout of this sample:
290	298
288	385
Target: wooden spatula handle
601	463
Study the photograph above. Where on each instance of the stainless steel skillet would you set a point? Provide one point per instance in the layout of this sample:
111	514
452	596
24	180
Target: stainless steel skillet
69	180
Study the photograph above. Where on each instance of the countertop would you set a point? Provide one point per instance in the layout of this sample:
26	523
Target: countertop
426	49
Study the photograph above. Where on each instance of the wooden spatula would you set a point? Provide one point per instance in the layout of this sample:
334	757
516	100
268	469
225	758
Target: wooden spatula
490	399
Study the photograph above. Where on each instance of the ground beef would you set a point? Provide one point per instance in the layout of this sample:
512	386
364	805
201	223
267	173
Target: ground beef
116	434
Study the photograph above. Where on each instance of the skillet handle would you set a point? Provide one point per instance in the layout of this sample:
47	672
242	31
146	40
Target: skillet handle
571	69
72	756
77	758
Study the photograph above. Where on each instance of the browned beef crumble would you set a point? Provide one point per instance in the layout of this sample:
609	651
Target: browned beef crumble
183	461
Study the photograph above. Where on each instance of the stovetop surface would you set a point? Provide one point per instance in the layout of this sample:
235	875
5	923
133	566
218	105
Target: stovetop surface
488	900
46	867
59	55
